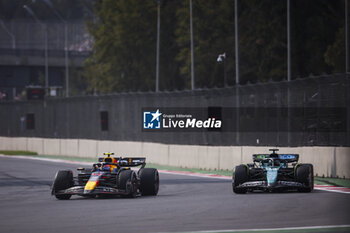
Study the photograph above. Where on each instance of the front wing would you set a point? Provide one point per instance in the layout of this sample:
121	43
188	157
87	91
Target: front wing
263	185
79	190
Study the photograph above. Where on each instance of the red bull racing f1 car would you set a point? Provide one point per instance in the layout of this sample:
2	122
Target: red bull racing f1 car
110	176
273	172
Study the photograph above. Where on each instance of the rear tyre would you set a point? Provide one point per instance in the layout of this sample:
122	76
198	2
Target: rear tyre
63	180
124	177
149	181
305	176
239	176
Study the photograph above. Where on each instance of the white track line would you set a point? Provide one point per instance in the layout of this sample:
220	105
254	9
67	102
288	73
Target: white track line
47	159
272	229
328	188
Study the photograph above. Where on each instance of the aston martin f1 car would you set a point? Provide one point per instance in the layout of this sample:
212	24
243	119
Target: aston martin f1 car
110	176
273	172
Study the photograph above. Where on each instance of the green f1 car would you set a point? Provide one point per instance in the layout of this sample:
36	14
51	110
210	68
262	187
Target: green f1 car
273	172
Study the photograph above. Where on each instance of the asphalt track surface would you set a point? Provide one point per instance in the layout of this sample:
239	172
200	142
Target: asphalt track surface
184	203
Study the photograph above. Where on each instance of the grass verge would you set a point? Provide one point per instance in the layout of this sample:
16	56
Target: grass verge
203	171
318	180
17	152
333	181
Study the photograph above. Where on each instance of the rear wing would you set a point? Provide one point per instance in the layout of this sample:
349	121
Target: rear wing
287	158
128	161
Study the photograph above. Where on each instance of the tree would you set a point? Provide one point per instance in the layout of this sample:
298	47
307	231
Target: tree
213	29
70	10
169	78
124	50
124	56
335	54
314	26
125	42
262	40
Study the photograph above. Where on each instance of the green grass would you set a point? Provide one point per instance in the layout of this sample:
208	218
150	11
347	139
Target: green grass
318	180
333	181
69	158
34	154
204	171
17	152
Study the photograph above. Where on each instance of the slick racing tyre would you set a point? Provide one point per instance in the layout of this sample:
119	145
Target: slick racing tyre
239	176
305	176
123	178
63	180
149	181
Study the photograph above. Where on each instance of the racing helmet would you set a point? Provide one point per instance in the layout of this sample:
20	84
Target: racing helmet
110	167
110	160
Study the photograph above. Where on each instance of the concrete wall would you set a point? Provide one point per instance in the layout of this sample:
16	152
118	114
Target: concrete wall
327	161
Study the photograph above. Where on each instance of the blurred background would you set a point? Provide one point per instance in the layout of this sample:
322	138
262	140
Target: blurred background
113	57
112	44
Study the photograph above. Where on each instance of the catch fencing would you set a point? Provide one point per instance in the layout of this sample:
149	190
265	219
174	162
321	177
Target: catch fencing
118	116
24	35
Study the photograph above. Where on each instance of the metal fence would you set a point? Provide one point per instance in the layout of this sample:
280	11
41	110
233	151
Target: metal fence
19	34
83	117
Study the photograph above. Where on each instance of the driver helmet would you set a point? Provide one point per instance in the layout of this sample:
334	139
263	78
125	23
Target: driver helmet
110	167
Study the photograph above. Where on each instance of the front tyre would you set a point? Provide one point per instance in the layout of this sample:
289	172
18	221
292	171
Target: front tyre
63	180
127	181
305	176
149	178
239	176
